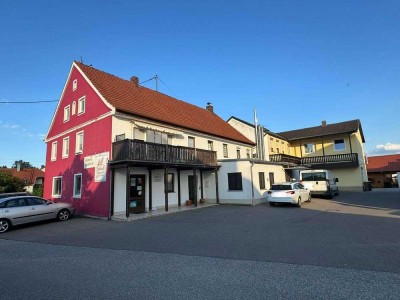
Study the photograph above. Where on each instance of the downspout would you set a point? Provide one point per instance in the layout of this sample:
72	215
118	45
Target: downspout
252	186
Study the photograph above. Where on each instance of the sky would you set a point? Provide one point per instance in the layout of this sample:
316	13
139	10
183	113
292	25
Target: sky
297	62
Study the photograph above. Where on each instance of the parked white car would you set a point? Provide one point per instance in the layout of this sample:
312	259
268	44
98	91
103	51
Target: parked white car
288	192
26	209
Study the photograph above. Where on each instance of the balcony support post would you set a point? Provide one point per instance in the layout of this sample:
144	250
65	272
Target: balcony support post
179	187
216	185
128	190
166	187
195	186
150	190
201	184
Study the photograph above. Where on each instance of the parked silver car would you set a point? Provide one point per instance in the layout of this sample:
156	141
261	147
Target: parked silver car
26	209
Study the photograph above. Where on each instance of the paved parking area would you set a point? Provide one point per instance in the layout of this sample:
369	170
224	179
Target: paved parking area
347	247
354	230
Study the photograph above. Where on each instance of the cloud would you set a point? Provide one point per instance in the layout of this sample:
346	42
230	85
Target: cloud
387	148
14	126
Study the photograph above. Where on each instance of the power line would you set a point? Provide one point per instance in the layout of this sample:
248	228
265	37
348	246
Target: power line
168	87
27	102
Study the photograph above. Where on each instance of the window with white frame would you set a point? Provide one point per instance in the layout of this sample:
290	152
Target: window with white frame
238	153
309	148
339	145
57	187
81	105
191	142
53	151
67	112
248	153
210	145
65	148
225	150
73	108
74	84
79	142
77	185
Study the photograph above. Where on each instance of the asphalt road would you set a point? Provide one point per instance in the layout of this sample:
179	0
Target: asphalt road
347	247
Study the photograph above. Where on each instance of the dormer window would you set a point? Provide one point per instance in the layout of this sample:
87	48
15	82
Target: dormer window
81	105
67	112
75	84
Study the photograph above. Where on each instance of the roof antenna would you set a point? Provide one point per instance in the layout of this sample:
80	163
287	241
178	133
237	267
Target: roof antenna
156	78
81	60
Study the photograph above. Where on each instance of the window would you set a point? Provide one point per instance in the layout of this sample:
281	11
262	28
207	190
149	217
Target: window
79	142
170	183
191	143
120	137
277	150
139	134
73	108
272	149
53	151
225	149
339	145
74	84
210	145
309	148
56	192
235	181
36	201
67	111
81	105
248	153
65	149
77	185
271	178
261	179
238	153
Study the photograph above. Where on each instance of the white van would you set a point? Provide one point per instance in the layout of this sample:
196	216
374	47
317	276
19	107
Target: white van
320	182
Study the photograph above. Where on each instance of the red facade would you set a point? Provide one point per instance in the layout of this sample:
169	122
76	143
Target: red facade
96	126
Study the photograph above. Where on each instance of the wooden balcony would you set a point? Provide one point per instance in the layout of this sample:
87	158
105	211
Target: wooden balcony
160	154
320	162
285	158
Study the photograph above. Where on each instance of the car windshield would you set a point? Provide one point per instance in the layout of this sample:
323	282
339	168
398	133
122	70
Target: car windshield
281	187
317	176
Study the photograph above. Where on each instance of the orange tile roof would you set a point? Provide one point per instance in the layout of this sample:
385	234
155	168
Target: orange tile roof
137	100
25	174
384	163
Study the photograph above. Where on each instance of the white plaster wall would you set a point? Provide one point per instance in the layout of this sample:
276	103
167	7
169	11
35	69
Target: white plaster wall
234	197
209	189
350	179
119	191
246	130
245	196
125	126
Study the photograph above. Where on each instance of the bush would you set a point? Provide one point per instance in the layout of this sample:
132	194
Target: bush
10	184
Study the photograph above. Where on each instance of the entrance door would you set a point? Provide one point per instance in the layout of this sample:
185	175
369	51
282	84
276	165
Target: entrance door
191	187
137	194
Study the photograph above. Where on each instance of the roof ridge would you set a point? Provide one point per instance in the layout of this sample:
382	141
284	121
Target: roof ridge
319	126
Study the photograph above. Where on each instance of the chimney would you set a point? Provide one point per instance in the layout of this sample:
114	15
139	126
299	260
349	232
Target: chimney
323	123
135	80
18	166
209	107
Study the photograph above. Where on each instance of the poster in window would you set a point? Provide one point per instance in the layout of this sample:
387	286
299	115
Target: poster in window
133	181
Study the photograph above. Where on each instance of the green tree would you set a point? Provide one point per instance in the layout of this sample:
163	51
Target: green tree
24	164
10	184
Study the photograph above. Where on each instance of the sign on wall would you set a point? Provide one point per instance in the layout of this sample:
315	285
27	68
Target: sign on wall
99	163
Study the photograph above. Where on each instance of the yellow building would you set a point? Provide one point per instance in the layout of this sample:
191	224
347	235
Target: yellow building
337	147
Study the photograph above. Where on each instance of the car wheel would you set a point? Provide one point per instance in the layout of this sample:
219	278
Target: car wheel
5	225
309	197
63	215
298	202
272	204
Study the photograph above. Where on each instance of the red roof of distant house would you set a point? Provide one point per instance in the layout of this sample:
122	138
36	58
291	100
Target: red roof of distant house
134	99
384	163
28	175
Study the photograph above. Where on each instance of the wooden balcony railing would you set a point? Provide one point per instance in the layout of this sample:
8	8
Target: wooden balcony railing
349	159
285	158
136	150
